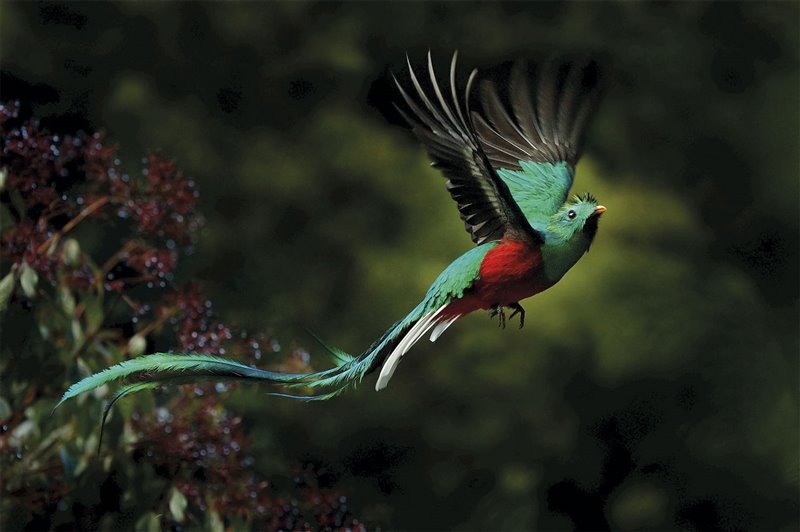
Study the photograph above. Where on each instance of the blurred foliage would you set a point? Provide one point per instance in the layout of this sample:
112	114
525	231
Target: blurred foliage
654	387
68	312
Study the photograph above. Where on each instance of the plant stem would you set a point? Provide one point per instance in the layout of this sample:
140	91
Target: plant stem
72	223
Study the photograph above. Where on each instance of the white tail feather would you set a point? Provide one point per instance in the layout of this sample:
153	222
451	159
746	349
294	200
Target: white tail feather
415	333
442	327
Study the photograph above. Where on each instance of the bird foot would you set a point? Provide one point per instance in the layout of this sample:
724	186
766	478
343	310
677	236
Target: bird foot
518	310
498	311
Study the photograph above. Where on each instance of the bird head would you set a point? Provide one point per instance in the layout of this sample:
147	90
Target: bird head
576	221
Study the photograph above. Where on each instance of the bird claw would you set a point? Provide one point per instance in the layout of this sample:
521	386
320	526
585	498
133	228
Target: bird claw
518	310
498	311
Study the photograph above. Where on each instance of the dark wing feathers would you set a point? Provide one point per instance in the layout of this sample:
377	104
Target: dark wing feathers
522	106
548	123
508	139
486	206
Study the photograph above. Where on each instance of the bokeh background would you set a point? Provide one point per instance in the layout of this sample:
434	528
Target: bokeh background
655	387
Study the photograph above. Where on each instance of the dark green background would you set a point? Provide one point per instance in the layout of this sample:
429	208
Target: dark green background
655	387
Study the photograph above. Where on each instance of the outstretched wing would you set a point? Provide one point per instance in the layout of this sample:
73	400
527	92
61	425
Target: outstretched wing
484	201
535	146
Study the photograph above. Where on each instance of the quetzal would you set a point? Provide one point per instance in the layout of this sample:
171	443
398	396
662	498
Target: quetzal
509	167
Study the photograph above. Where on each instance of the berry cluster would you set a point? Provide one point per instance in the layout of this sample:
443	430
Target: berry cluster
196	329
203	451
172	219
101	311
52	183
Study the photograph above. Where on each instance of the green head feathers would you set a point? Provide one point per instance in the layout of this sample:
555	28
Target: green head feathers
570	233
577	219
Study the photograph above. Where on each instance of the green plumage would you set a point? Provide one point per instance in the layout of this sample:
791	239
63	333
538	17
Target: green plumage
539	189
457	277
164	368
509	172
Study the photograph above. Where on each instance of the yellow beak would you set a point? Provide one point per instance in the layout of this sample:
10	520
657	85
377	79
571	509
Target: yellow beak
599	210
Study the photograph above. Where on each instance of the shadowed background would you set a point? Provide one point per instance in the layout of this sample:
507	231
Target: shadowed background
654	387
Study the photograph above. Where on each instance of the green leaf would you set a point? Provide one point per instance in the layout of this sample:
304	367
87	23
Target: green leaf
149	522
5	408
28	279
23	432
71	251
67	461
94	313
67	300
58	436
89	446
177	505
6	289
76	332
136	345
214	522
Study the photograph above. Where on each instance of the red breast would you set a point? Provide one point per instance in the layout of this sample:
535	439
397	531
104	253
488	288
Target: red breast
510	272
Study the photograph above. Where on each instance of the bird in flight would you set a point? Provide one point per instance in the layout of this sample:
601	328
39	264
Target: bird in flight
509	166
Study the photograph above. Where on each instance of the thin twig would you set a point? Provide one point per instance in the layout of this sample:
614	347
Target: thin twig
72	223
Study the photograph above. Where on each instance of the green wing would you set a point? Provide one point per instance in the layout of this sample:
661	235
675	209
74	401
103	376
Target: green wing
539	189
533	138
484	202
457	277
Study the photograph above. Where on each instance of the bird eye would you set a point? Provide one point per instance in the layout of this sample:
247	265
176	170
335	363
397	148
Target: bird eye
571	214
